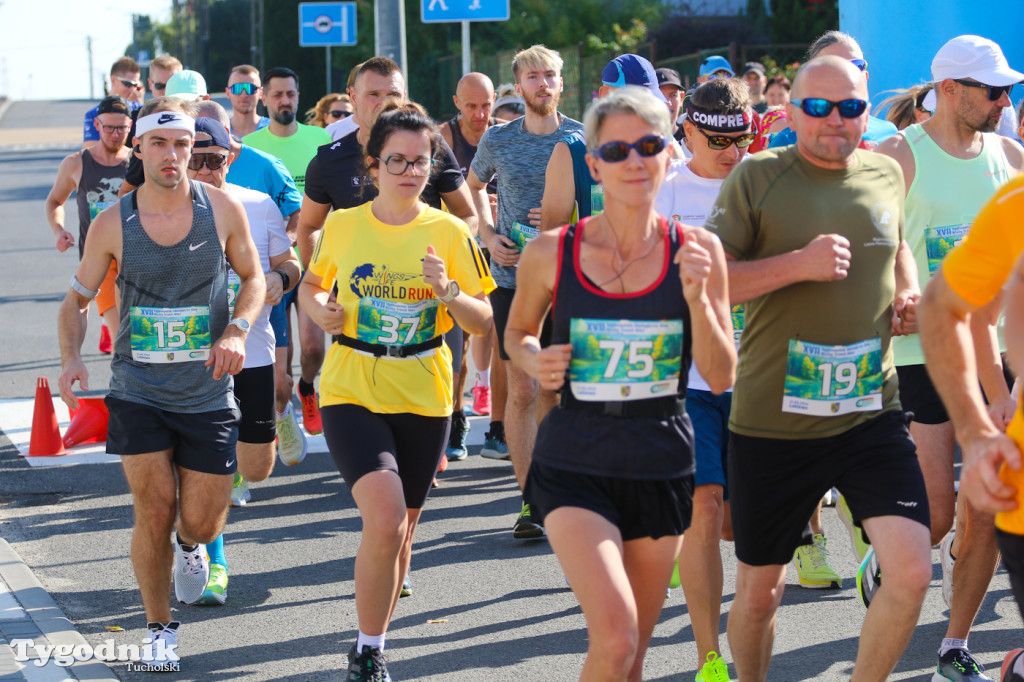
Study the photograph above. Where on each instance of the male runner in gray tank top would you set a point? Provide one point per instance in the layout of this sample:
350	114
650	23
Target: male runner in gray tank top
172	416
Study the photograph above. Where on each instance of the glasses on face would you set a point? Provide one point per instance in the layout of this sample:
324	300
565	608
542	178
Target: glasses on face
397	165
861	64
820	108
613	152
120	130
159	86
720	142
244	89
339	113
211	161
130	84
995	92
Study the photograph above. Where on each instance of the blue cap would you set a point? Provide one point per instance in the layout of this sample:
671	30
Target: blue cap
715	63
217	132
632	69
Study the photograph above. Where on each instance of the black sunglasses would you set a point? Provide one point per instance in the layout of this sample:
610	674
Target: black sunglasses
339	113
861	64
244	89
720	142
130	84
994	91
820	108
211	161
613	152
159	86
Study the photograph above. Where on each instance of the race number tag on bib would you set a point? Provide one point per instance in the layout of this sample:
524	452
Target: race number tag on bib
738	318
522	234
234	284
939	241
391	323
827	381
163	335
97	207
596	200
614	360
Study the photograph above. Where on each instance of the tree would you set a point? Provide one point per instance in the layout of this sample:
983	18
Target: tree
801	21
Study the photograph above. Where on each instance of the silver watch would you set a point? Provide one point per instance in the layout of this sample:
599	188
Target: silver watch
241	323
453	292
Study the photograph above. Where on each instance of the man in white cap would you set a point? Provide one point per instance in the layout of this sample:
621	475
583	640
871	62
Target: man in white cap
173	418
187	85
952	164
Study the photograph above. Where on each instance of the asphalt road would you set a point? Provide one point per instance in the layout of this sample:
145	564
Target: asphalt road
506	611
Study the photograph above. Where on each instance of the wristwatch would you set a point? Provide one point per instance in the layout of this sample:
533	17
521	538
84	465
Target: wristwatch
241	323
453	292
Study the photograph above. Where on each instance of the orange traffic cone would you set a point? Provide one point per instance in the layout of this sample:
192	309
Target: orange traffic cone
45	433
88	423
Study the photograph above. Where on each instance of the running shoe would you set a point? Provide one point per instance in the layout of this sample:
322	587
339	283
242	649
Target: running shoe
957	665
160	647
216	592
857	539
947	560
106	344
311	414
675	581
526	528
830	498
812	566
291	441
714	670
368	666
481	400
1006	674
191	572
869	577
456	450
240	491
495	446
406	587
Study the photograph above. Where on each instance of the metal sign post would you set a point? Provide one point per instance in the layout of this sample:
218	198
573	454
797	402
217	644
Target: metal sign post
464	11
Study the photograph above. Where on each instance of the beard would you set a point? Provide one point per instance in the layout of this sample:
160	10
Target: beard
284	116
542	108
977	118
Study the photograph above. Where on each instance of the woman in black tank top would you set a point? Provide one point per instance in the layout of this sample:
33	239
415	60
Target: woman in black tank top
634	299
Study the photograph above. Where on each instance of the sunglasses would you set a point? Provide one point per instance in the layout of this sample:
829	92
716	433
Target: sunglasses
244	89
159	86
339	113
130	84
861	64
820	108
995	92
397	165
211	161
613	152
720	142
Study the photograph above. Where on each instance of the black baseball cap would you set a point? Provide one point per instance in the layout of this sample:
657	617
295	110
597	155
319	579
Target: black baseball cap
753	66
669	77
115	104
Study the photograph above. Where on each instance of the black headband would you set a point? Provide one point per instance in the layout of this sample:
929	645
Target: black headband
716	122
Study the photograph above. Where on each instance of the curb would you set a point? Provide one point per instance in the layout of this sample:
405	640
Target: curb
43	615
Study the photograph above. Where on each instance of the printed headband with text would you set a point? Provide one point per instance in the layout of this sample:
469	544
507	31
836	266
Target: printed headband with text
170	120
717	122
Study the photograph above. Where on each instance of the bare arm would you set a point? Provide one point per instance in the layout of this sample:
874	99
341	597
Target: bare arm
292	227
825	259
898	148
702	270
68	177
502	249
908	292
316	301
311	220
990	364
126	187
461	205
287	263
559	189
472	313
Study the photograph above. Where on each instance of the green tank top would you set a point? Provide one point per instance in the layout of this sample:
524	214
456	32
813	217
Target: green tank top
946	194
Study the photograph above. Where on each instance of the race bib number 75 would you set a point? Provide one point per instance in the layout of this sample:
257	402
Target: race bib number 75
614	360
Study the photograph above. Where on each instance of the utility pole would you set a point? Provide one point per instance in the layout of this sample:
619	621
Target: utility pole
92	79
389	32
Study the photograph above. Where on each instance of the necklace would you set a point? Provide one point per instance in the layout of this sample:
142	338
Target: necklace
623	265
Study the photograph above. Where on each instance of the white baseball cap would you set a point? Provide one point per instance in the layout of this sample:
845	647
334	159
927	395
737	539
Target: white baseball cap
974	57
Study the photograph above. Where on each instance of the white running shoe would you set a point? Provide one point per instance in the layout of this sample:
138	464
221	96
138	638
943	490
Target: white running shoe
291	441
191	573
947	561
240	491
160	646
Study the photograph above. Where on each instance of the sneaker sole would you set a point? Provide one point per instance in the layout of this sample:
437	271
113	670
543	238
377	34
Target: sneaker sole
212	599
833	585
494	454
534	533
456	457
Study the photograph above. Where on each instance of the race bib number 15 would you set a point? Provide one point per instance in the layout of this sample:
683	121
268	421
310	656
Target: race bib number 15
163	335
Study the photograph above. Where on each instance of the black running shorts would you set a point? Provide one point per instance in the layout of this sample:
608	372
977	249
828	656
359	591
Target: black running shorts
254	391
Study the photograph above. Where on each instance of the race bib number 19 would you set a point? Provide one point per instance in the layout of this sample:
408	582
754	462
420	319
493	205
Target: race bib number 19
615	360
828	381
163	335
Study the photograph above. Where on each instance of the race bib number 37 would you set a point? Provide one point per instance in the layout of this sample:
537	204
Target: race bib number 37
163	335
614	360
391	323
828	381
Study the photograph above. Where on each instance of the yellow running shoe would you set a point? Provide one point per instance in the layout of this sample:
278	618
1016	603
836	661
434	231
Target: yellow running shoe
857	541
813	568
714	670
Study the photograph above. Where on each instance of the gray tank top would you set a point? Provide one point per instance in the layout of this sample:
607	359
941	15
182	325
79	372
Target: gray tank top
97	190
174	305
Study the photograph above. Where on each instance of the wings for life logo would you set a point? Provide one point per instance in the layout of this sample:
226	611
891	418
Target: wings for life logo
379	281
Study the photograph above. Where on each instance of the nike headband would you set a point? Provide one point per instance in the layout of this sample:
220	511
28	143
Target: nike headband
170	120
716	122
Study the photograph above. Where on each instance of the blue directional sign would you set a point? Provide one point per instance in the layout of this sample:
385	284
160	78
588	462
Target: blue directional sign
436	11
326	24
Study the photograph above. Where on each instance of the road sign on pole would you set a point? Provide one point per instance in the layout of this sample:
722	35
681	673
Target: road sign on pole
435	11
323	24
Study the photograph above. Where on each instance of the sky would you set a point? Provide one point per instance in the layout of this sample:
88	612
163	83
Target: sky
43	51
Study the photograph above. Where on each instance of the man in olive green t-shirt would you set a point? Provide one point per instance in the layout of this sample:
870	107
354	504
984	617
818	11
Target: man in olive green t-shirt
814	234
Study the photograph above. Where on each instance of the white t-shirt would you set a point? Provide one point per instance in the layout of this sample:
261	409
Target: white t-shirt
266	225
688	198
340	129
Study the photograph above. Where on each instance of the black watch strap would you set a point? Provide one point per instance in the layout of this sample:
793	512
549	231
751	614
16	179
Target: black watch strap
285	279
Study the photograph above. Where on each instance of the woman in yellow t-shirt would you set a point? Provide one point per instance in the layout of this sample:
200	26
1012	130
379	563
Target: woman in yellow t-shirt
403	270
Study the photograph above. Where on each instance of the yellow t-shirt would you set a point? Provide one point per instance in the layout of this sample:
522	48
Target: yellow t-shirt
378	270
976	270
